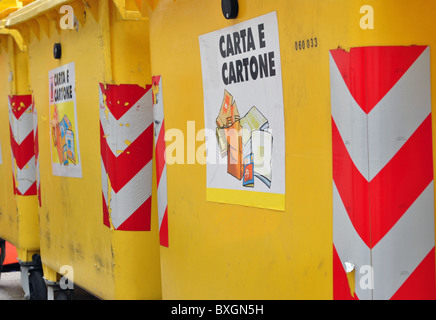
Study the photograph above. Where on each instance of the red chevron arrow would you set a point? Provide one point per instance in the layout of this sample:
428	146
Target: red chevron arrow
371	72
141	217
20	104
123	168
401	182
23	152
352	187
120	98
392	191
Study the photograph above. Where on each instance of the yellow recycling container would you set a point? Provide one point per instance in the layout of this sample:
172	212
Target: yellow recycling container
19	223
90	74
318	180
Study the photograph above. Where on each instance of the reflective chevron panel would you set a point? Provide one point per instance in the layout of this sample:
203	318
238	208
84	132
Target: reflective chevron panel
22	144
126	135
383	192
161	167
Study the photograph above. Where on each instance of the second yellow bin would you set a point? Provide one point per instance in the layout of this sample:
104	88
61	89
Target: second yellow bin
91	80
19	223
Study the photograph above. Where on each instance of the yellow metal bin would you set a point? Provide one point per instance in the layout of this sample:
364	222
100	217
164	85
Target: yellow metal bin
89	67
19	223
318	179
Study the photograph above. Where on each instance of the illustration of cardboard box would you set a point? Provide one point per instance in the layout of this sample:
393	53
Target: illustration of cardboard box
69	142
262	146
228	113
235	165
65	156
248	180
54	122
65	125
60	143
222	142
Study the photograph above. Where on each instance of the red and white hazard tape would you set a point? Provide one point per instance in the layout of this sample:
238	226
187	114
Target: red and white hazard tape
126	135
383	198
161	167
22	145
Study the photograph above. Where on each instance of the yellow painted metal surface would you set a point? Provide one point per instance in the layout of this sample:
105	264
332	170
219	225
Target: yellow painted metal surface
33	10
217	251
105	49
18	214
15	35
9	6
226	251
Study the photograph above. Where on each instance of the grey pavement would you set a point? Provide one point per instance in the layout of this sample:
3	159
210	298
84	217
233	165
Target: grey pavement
10	286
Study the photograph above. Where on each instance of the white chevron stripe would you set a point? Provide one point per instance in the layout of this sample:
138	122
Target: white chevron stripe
162	197
350	119
26	177
162	193
104	182
404	247
22	127
349	246
124	203
35	121
158	115
397	116
38	176
377	136
158	112
121	133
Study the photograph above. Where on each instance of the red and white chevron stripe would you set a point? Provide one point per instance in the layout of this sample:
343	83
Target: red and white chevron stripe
383	193
22	144
161	167
126	135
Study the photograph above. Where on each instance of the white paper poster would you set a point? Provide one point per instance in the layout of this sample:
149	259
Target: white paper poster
65	150
244	116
